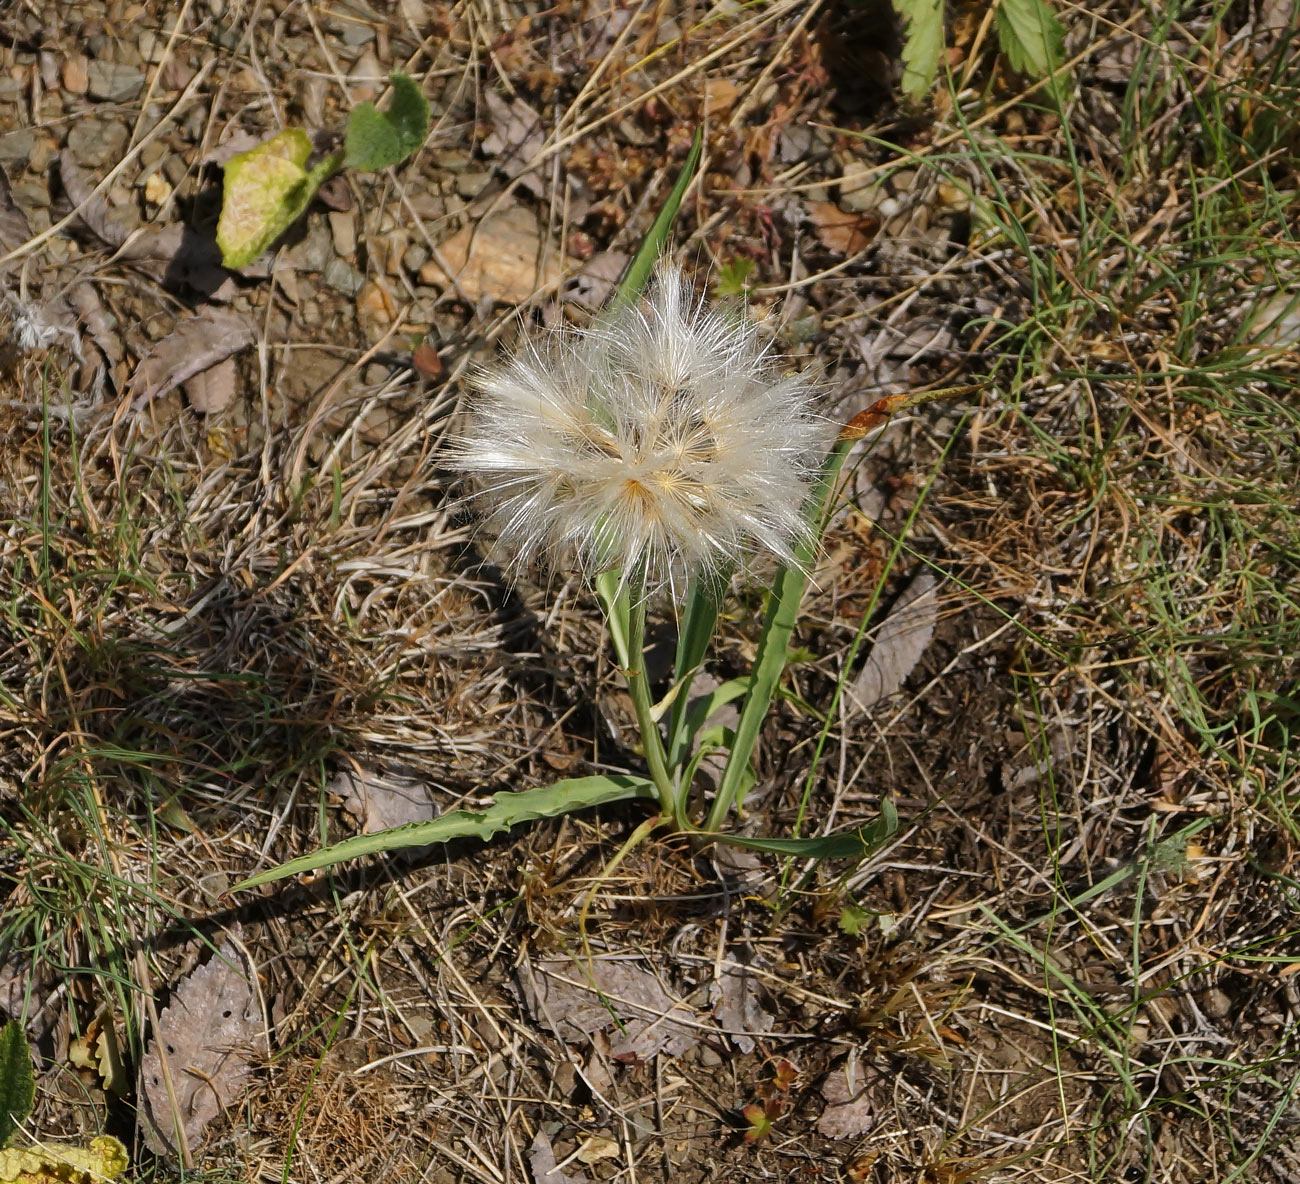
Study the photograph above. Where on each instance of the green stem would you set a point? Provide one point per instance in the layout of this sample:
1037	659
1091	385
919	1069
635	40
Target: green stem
624	604
774	644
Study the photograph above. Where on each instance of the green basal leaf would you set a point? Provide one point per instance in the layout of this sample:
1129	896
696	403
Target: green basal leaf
17	1081
507	810
652	246
1031	37
262	193
849	844
923	43
380	139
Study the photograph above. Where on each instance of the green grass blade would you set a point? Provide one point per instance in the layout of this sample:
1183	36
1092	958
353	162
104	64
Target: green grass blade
507	810
652	246
774	644
17	1082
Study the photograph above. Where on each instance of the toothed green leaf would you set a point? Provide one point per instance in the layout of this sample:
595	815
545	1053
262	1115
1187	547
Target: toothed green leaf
507	810
17	1081
923	43
1031	37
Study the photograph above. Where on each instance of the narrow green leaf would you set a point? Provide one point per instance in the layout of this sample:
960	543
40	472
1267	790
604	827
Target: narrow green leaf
849	844
774	643
699	620
922	45
699	712
652	246
1031	37
507	810
379	139
17	1081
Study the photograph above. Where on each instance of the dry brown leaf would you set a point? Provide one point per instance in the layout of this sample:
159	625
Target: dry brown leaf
574	999
517	136
900	643
212	390
595	283
14	227
840	231
197	344
382	799
737	1005
849	1110
496	258
179	256
541	1162
720	96
210	1033
113	226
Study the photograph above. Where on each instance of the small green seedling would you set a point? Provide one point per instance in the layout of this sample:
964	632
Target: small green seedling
267	188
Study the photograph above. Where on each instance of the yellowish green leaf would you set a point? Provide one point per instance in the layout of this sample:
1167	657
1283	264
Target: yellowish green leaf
262	194
104	1159
922	45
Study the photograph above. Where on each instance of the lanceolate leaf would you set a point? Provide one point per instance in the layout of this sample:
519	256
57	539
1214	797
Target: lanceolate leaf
1030	36
17	1083
923	45
507	810
849	844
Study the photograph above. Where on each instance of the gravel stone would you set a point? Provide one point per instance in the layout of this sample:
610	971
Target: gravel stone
16	147
343	277
97	142
114	83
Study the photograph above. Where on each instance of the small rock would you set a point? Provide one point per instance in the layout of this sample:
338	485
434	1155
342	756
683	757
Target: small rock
343	277
376	374
11	89
496	259
356	33
49	70
415	257
343	227
16	146
471	184
366	77
315	251
709	1058
96	142
112	82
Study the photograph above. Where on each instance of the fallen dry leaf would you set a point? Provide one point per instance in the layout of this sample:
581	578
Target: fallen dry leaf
210	1033
574	999
496	258
595	1148
212	390
14	227
517	136
382	799
843	232
112	226
179	256
849	1110
737	1005
900	643
426	363
720	95
197	344
594	284
541	1162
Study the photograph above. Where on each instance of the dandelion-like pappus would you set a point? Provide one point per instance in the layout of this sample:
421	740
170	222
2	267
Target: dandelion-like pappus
663	442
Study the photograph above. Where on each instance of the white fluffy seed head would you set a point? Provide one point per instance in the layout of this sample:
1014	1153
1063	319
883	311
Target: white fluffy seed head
662	442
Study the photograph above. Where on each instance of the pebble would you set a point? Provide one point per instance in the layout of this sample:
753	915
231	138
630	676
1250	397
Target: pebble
114	83
376	374
415	256
96	142
343	230
343	277
471	184
16	146
316	249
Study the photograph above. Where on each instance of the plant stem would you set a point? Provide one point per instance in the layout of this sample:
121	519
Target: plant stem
652	746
